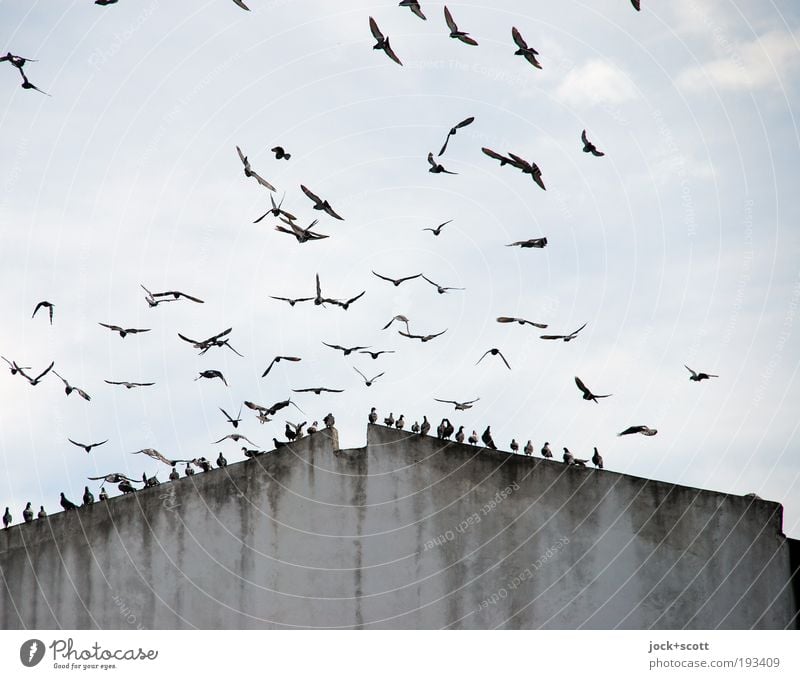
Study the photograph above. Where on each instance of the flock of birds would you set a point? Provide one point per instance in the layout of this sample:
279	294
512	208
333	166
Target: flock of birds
289	225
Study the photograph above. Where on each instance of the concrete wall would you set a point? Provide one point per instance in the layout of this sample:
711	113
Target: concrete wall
405	533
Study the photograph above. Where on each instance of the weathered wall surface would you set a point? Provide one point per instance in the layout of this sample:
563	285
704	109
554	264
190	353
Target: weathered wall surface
406	533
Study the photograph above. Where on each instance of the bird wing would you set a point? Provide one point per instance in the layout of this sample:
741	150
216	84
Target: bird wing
583	388
417	10
116	328
263	181
390	52
186	339
500	354
578	330
313	196
391	280
493	154
360	373
694	374
443	401
45	371
637	5
449	19
467	40
551	337
377	376
38	306
75	443
584	138
357	297
242	5
154	454
446	141
431	161
518	39
193	299
58	376
216	337
482	357
537	177
83	394
376	32
242	157
94	445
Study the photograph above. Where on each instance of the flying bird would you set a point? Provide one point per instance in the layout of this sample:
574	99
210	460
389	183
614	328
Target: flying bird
35	380
698	377
68	388
210	375
495	352
587	394
291	301
276	210
112	478
382	42
397	281
438	229
317	390
347	350
454	130
639	429
437	168
177	294
66	505
152	302
530	243
400	318
368	380
523	50
588	147
521	321
124	331
422	338
302	235
566	338
16	369
528	168
441	289
28	85
249	172
155	455
47	305
280	153
375	354
320	204
237	438
278	359
130	385
206	344
454	32
414	6
459	405
87	446
234	421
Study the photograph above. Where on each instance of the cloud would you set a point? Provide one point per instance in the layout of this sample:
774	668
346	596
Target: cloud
597	81
763	62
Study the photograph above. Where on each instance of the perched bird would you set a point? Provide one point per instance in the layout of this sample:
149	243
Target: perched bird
33	381
368	380
320	204
280	153
329	421
587	394
566	338
437	168
425	427
375	354
397	281
68	388
294	431
454	32
210	375
495	352
152	481
546	452
588	147
130	385
373	415
347	350
178	295
46	305
496	156
521	321
382	42
317	390
249	172
104	496
422	338
577	462
452	132
523	50
414	6
460	405
27	513
639	429
124	331
389	421
42	514
174	475
569	458
447	429
698	377
400	318
528	449
203	464
187	472
514	446
415	427
486	437
276	211
234	421
88	498
278	359
530	243
438	229
473	438
87	446
312	429
66	504
125	487
460	435
251	453
401	422
597	459
7	519
441	289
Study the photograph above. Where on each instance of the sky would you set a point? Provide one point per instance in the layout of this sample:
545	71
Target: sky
679	246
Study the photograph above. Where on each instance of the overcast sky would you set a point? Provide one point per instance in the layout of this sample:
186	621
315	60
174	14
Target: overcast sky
680	246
